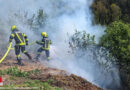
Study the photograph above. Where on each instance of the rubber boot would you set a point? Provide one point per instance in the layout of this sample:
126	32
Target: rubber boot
28	56
20	63
37	57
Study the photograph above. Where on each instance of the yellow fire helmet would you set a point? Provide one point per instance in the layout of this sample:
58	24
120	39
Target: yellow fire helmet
13	27
44	34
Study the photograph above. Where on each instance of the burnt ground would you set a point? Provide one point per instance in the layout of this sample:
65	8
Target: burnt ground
60	78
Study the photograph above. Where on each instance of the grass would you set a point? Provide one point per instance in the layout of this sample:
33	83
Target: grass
15	73
35	84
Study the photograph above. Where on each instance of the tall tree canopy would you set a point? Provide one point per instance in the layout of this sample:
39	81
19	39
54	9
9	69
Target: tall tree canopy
112	10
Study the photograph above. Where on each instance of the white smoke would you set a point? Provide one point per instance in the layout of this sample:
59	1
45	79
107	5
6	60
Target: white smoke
63	17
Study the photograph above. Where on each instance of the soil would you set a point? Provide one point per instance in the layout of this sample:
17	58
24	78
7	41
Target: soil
60	78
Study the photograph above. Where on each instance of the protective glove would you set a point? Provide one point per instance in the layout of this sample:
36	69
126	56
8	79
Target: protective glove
10	41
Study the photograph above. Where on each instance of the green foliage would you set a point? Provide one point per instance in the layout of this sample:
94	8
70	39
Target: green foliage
36	84
35	72
50	81
83	45
14	71
41	17
81	40
36	21
115	12
117	40
101	12
39	84
107	11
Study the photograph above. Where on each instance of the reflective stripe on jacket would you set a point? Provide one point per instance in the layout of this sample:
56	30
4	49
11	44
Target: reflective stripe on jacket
20	38
46	43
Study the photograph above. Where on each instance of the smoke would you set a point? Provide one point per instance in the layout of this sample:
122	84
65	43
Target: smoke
63	18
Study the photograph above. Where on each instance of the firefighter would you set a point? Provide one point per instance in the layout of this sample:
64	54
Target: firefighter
21	41
45	42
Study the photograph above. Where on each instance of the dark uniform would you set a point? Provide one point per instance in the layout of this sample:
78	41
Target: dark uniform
45	47
21	40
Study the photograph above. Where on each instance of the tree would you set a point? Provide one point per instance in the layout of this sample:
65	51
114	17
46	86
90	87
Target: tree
115	12
117	40
41	17
101	12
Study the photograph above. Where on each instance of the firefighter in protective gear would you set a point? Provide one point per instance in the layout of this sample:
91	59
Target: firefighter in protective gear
21	41
45	42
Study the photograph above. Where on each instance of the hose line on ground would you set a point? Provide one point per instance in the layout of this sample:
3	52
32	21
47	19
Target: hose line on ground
9	48
32	43
6	52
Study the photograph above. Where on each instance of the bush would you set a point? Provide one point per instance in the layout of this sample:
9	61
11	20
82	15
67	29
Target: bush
83	45
81	40
117	40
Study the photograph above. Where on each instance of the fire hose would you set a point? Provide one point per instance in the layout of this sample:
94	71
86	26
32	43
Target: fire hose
6	52
9	48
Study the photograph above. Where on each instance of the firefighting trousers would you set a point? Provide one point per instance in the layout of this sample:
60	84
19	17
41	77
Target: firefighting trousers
40	50
18	49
